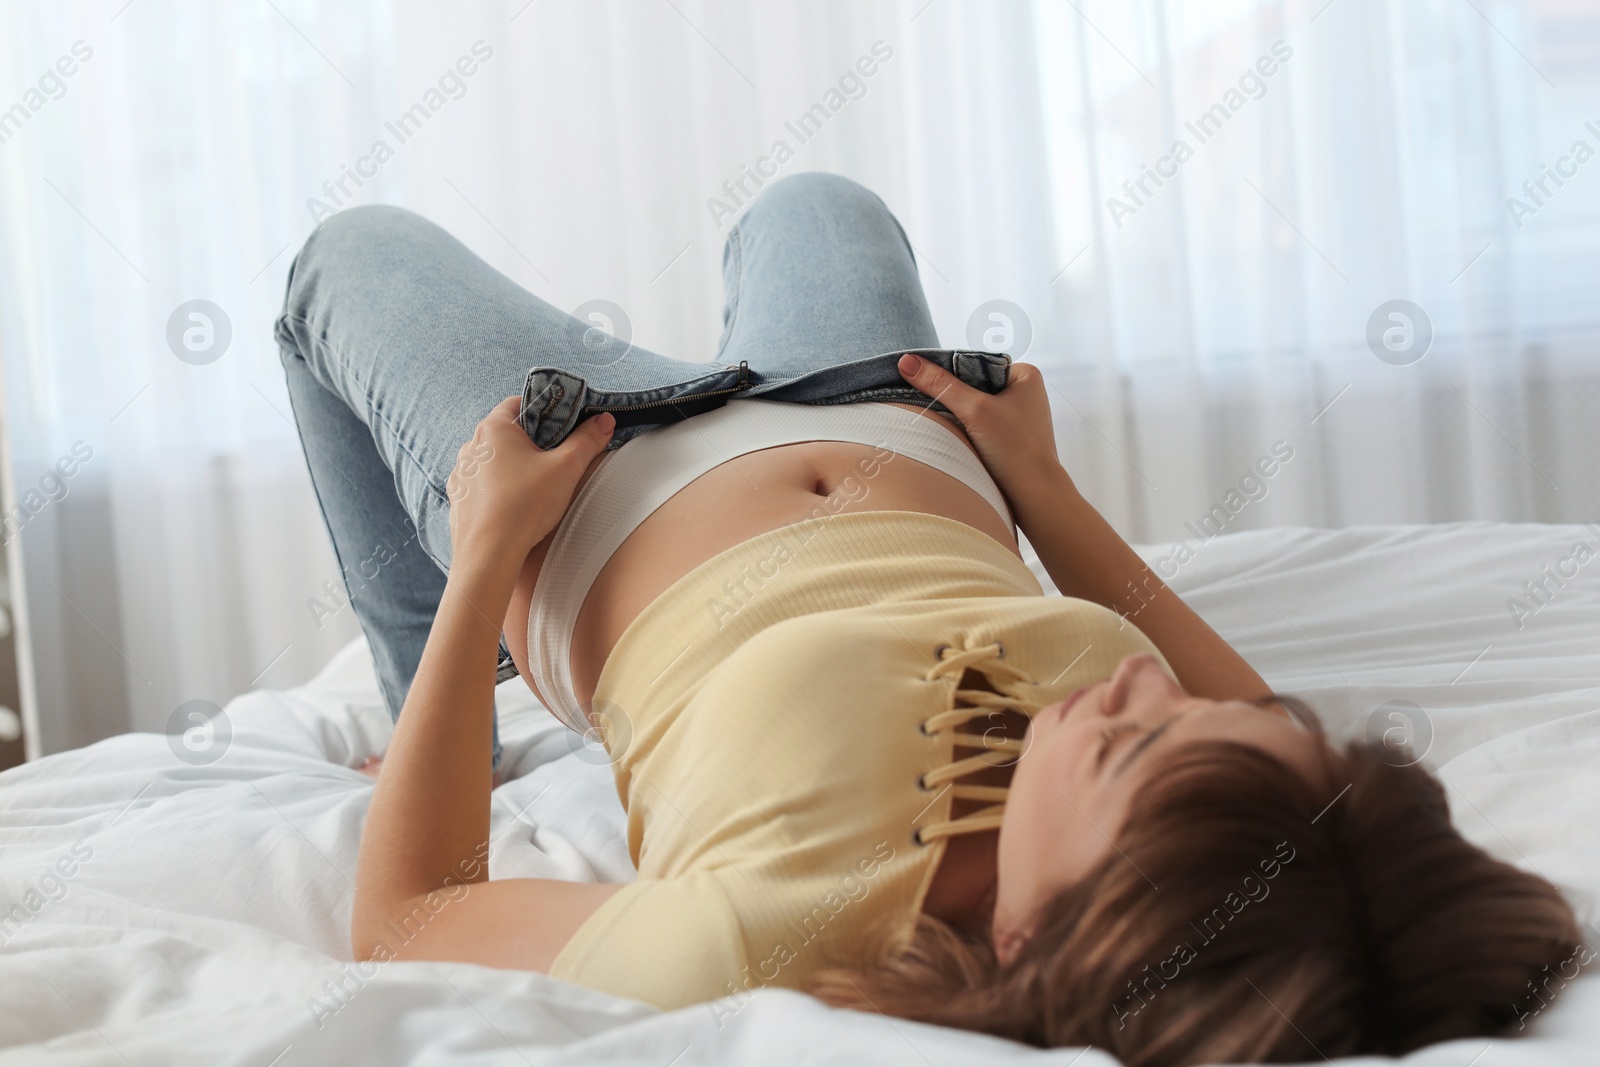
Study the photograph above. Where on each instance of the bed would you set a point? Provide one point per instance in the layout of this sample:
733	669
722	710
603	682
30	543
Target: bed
205	914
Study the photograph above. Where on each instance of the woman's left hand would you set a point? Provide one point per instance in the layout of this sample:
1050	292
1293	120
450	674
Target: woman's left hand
506	493
1011	429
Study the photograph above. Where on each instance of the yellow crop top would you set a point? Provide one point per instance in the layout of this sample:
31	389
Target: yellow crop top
782	724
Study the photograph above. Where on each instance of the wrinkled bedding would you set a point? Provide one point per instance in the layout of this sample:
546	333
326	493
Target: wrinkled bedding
167	910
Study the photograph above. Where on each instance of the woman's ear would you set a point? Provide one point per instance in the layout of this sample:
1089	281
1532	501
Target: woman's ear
1008	946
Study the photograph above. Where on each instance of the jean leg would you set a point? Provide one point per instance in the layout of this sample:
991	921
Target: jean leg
397	340
420	338
818	273
391	583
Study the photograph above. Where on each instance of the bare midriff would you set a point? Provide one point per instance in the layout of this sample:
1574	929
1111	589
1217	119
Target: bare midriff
731	503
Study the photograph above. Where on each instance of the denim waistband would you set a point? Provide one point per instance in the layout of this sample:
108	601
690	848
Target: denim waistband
555	401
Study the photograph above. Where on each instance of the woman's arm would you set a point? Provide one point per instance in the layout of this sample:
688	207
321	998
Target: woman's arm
422	888
1086	558
1083	555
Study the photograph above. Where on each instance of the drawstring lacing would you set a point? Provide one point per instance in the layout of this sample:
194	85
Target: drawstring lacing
989	661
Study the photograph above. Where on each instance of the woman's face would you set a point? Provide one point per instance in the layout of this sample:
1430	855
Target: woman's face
1086	758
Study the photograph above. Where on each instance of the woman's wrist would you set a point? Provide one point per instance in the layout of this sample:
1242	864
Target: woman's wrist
1046	489
484	576
1083	554
489	551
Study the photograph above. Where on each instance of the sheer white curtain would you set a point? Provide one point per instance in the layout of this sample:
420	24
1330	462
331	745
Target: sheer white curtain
1335	157
1200	332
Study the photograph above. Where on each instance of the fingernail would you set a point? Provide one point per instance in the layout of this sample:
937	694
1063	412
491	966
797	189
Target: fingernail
909	364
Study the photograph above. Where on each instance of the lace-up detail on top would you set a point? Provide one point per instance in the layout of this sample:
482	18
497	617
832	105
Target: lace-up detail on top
967	705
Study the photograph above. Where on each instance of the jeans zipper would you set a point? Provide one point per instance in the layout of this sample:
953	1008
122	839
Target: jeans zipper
742	384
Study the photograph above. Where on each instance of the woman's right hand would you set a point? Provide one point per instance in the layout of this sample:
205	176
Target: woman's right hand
506	493
1010	429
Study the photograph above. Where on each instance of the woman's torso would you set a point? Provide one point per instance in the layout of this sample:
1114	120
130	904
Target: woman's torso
794	775
733	502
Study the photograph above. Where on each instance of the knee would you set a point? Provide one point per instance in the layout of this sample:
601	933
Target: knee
361	231
815	190
346	244
337	249
370	218
813	200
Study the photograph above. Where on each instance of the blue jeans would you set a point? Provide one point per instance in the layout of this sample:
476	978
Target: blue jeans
396	340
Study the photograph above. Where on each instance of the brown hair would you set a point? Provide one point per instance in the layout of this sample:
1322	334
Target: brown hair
1244	917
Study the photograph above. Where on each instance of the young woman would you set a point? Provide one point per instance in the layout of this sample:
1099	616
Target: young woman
860	753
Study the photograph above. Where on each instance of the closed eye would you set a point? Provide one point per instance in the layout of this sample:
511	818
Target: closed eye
1108	736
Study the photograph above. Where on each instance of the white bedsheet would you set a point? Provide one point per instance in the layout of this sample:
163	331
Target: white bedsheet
205	917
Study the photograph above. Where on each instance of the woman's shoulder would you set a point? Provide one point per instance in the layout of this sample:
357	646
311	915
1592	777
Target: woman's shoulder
728	931
665	941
